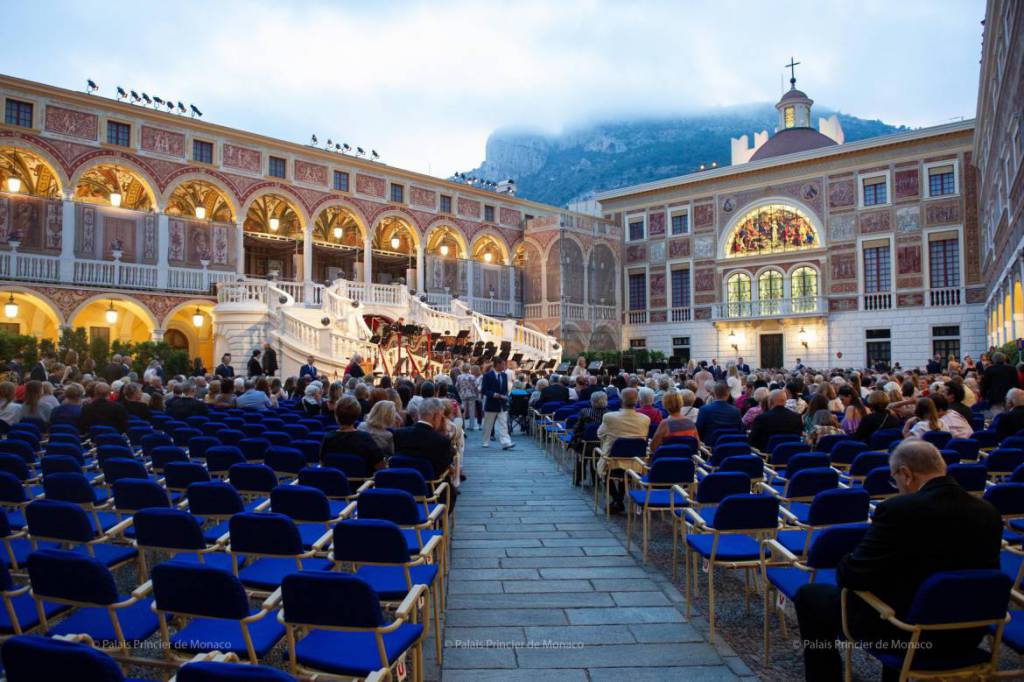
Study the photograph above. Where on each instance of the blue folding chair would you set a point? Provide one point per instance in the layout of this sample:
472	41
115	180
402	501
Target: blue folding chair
937	438
308	507
176	533
273	549
831	507
215	607
31	657
355	640
220	671
652	491
971	477
67	523
1002	461
843	452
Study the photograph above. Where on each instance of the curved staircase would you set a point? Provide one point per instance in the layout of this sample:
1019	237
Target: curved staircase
328	323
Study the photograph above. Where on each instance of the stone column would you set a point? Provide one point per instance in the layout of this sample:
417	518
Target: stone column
158	335
307	256
67	241
163	242
240	249
420	269
368	260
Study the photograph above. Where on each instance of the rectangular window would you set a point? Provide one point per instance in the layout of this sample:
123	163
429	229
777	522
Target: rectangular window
446	204
879	351
277	167
941	181
875	192
681	288
13	328
202	151
944	263
18	113
636	230
341	181
397	193
680	223
878	334
119	133
638	343
681	348
877	270
99	333
638	292
946	341
488	214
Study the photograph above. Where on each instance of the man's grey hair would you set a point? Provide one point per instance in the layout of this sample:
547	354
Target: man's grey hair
429	407
599	399
721	391
1015	397
646	396
564	379
629	397
777	397
542	384
920	456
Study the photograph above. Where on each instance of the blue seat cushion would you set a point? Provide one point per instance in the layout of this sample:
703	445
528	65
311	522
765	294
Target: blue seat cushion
940	660
336	507
22	548
214	634
16	519
25	611
793	540
109	554
213	533
214	559
1016	524
353	653
425	513
788	579
389	581
801	510
266	573
138	622
310	533
413	543
730	547
1009	564
658	498
1013	633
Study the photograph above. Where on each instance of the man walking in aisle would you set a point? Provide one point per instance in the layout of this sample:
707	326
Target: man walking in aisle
495	392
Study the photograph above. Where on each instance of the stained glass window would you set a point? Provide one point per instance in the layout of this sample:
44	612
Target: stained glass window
769	291
774	228
738	294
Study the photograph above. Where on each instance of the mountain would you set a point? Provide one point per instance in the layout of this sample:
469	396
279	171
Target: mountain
557	169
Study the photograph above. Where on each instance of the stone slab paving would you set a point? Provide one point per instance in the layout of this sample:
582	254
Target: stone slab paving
541	588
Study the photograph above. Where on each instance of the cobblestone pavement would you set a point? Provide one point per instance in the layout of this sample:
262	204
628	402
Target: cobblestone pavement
541	588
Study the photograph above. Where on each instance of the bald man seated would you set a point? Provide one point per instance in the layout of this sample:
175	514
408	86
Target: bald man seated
932	525
775	420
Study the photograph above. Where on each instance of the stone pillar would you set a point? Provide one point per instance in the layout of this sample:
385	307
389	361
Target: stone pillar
67	242
420	269
307	257
163	243
240	247
469	281
158	335
368	260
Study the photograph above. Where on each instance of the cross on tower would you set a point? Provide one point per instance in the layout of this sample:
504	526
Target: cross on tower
792	72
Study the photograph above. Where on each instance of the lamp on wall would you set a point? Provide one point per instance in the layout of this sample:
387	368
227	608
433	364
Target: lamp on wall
444	249
115	199
488	257
275	224
111	314
197	318
338	232
13	185
395	243
802	335
733	342
201	212
11	308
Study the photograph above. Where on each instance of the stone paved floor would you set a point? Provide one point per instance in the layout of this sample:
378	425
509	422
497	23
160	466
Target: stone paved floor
541	588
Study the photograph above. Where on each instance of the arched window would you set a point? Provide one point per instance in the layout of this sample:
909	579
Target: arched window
738	294
773	228
804	290
769	291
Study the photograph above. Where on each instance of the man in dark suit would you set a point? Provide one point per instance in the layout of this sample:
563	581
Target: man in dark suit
308	369
555	391
39	370
742	366
224	369
102	411
1011	422
932	525
718	414
269	360
426	439
184	404
777	419
716	369
997	380
16	369
494	387
934	365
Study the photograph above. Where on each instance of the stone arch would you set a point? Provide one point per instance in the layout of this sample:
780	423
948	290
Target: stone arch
42	157
602	269
498	240
357	213
533	272
325	220
434	230
802	208
46	320
143	176
565	269
135	320
283	192
201	340
207	178
410	224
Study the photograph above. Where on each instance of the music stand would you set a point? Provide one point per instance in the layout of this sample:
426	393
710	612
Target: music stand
463	334
563	367
517	358
506	345
488	354
595	367
375	339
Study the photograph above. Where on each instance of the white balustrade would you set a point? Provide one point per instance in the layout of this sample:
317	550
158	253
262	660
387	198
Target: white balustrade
945	297
94	272
136	275
636	317
246	291
439	301
806	305
534	309
35	267
680	314
605	312
879	301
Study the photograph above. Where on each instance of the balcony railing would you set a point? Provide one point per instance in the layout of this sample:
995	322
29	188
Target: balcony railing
945	297
29	266
788	307
877	301
636	317
680	314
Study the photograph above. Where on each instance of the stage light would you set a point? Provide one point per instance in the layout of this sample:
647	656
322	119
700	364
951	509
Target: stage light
488	257
11	308
121	94
90	86
147	99
115	199
374	155
275	223
111	314
395	242
170	106
197	318
444	249
338	232
345	147
330	143
13	185
181	108
159	101
135	97
195	111
359	151
200	212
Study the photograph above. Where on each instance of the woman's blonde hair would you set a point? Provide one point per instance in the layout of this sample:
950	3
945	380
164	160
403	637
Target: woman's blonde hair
383	415
672	401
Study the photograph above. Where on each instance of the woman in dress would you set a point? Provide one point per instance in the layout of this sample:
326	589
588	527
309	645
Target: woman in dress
678	422
379	423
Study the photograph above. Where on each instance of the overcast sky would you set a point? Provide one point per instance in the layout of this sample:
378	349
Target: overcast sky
425	82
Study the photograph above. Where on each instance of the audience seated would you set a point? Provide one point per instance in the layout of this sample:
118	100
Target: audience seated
348	439
718	414
777	420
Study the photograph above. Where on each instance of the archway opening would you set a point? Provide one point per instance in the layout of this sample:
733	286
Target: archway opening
445	261
338	244
200	200
109	184
116	318
273	234
27	174
190	329
394	251
26	313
